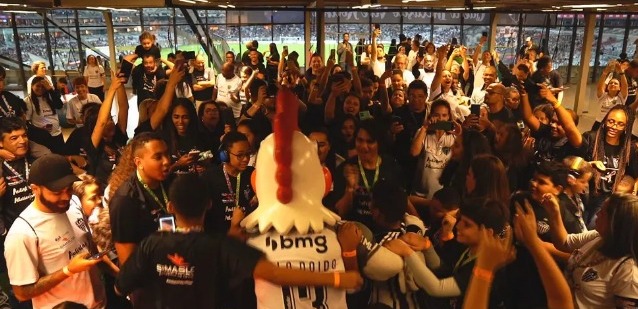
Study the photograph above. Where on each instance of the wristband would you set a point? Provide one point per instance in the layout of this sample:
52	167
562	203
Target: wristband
483	274
337	279
66	271
557	105
446	237
349	254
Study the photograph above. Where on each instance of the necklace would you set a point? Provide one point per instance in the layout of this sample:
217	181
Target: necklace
8	112
230	188
26	170
363	174
465	259
152	194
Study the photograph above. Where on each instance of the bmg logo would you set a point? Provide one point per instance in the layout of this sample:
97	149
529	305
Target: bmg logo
317	242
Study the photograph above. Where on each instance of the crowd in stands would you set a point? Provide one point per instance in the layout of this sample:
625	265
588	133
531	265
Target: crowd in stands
462	182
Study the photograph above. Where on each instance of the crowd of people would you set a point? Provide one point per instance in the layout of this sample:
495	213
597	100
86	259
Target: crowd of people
462	182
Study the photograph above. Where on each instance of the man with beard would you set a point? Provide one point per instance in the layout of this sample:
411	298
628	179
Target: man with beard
145	77
47	248
560	138
227	89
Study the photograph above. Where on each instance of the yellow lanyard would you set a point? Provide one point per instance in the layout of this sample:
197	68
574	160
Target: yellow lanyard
363	174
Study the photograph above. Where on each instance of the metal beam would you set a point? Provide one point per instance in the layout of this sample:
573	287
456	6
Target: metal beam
79	38
108	19
599	45
47	37
585	55
491	44
16	38
571	49
48	20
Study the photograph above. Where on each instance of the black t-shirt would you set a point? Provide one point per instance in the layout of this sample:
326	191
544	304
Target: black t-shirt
505	116
18	194
144	126
463	276
144	83
102	159
134	213
199	76
11	105
611	160
362	198
553	80
155	51
550	149
77	141
223	197
187	270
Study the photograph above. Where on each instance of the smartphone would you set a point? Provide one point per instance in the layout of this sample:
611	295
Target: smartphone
189	55
333	53
285	47
167	224
443	126
99	255
377	26
475	109
125	71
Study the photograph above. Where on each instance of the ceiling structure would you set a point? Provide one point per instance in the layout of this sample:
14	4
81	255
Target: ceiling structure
618	6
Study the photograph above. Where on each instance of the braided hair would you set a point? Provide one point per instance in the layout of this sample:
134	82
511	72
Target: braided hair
598	152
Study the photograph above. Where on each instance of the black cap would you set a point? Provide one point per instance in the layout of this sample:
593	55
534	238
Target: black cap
52	171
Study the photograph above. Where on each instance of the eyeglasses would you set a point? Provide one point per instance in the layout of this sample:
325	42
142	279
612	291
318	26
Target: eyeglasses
241	156
613	123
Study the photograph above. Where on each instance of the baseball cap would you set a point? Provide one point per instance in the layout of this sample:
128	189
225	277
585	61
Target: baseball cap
52	171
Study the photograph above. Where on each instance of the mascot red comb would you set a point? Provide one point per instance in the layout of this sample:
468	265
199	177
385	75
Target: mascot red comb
292	226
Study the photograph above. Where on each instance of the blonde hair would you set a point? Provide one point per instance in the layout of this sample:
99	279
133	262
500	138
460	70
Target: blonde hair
79	187
36	65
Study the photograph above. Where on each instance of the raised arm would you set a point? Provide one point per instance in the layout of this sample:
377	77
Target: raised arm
356	80
556	288
557	229
624	87
166	100
373	52
122	104
383	93
600	87
478	50
440	64
104	112
528	115
574	136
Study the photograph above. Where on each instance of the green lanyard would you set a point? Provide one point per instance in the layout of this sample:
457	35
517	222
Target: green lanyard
230	188
464	260
162	206
363	174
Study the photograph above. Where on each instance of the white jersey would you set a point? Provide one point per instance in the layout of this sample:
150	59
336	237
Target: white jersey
320	252
39	244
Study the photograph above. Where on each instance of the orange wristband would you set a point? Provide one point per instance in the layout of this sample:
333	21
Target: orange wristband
483	274
349	254
337	277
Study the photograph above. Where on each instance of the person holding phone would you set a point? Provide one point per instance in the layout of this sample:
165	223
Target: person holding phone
42	103
545	75
377	54
432	145
47	248
344	46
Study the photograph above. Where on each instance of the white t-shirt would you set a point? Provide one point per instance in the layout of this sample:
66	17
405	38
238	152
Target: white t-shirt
596	280
434	155
478	96
378	67
412	58
227	86
74	107
606	103
45	245
426	77
320	252
478	77
94	76
44	118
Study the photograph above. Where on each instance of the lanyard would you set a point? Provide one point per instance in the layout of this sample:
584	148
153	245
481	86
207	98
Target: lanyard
9	111
230	188
464	260
26	169
363	174
162	206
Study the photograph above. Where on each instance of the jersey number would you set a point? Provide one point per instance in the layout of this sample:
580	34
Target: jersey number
316	296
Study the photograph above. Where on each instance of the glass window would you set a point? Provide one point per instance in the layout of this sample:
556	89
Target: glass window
508	19
472	34
64	50
615	20
33	46
121	18
287	17
446	18
535	19
632	43
476	18
389	32
414	29
261	33
256	17
5	19
126	39
385	17
353	17
291	36
506	37
216	16
29	20
411	17
226	38
611	47
158	16
329	17
91	18
444	34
